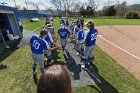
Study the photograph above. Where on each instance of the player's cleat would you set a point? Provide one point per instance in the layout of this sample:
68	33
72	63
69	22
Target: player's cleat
90	66
81	56
34	73
2	66
83	66
46	59
78	53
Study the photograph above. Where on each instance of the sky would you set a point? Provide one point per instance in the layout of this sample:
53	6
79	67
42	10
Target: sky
43	3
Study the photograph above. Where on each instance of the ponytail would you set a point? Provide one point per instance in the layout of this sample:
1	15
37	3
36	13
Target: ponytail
90	25
42	33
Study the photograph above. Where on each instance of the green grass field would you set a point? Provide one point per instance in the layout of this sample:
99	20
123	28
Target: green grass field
98	22
17	78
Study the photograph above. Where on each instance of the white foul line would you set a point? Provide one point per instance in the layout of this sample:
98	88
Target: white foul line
36	28
119	47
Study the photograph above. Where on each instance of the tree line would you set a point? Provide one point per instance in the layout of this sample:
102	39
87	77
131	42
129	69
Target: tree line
90	8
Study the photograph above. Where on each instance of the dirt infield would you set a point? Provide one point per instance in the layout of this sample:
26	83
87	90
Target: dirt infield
123	44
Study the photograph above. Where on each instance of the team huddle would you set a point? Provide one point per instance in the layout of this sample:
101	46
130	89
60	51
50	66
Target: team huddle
83	40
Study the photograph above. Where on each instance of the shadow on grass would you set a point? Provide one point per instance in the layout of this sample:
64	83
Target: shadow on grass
4	53
35	79
55	59
105	87
72	66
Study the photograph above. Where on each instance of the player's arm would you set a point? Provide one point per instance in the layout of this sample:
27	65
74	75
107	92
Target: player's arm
86	39
46	46
73	36
53	43
82	42
68	33
56	47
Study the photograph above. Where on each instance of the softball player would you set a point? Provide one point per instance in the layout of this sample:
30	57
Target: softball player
67	22
64	33
71	25
76	29
47	53
38	45
80	38
62	21
51	43
89	42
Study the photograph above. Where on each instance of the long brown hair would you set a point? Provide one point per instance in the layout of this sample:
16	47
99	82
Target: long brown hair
54	80
90	25
42	33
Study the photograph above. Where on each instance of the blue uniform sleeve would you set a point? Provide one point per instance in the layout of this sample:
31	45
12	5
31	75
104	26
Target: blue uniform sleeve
68	32
58	31
46	38
31	40
45	45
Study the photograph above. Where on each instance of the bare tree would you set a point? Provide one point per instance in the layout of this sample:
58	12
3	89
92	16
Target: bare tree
67	4
51	10
3	3
58	5
121	8
92	4
26	4
76	7
97	4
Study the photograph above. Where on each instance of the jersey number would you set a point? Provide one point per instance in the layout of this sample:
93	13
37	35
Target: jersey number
82	34
36	45
93	36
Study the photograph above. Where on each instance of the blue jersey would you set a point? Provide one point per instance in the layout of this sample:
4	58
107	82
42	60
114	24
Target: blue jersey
67	22
64	33
62	21
91	36
38	45
71	25
75	30
47	38
80	35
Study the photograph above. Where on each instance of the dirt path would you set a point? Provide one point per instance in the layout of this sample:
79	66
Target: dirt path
122	43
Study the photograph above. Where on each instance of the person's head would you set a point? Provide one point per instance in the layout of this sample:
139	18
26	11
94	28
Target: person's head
62	26
75	23
48	27
90	25
54	80
78	27
43	33
48	22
